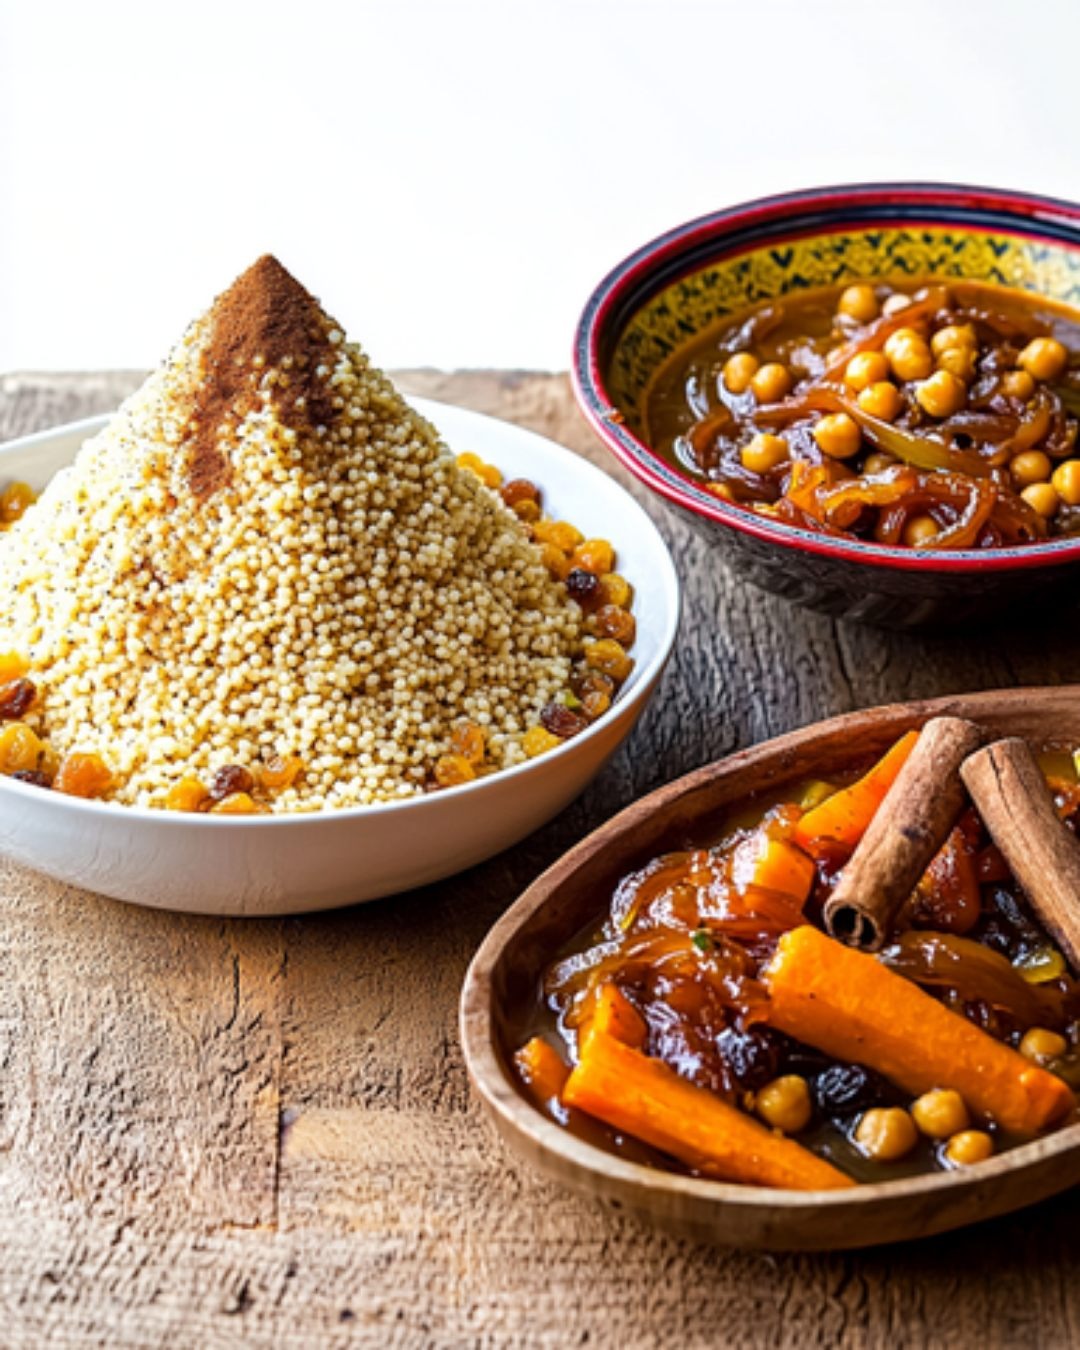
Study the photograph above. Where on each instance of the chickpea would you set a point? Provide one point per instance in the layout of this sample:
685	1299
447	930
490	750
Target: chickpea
1030	466
901	338
940	1113
1042	1045
1042	499
739	370
1043	358
967	1147
771	382
895	303
838	435
866	368
959	361
1066	482
952	336
942	394
909	355
1018	384
882	400
878	462
919	530
785	1104
764	452
885	1133
859	303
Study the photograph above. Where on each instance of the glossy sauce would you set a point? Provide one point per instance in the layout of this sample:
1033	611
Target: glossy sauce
701	998
701	426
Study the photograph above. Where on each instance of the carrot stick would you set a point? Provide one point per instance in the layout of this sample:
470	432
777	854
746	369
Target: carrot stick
542	1071
776	866
644	1098
615	1015
842	818
849	1005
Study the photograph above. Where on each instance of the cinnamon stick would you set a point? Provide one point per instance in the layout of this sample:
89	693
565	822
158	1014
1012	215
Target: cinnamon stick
1017	807
908	828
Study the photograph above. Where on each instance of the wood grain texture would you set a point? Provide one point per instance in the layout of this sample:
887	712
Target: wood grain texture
261	1132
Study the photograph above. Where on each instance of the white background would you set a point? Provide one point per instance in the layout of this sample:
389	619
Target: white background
453	178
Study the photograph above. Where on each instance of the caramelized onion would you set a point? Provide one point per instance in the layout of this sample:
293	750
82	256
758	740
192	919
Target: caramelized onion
975	973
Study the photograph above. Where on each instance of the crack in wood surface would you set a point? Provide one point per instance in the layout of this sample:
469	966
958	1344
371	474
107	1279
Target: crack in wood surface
262	1131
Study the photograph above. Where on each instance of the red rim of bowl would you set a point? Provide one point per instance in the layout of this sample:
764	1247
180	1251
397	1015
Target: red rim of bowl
656	263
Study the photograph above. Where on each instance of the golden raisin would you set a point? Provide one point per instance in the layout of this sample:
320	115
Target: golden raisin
611	621
14	500
467	460
558	532
585	681
527	511
452	770
595	703
187	795
595	556
12	666
468	741
538	740
48	761
556	561
615	590
280	772
595	691
519	490
82	775
237	804
20	749
490	476
609	658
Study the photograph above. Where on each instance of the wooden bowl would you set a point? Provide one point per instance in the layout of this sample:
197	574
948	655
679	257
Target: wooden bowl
503	980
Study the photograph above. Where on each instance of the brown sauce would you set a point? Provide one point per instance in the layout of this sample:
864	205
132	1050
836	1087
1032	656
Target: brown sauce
929	414
686	950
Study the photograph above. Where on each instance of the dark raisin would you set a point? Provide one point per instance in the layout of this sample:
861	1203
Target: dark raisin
1006	928
847	1089
994	935
752	1057
232	778
15	699
34	777
562	721
582	586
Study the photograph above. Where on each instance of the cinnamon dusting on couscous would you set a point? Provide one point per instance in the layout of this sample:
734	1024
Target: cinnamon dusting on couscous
267	553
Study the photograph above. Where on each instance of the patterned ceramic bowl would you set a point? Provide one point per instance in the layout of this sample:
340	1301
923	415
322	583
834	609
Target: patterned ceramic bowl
661	297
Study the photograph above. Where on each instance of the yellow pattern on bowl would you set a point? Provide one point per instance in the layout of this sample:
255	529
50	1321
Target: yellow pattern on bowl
682	310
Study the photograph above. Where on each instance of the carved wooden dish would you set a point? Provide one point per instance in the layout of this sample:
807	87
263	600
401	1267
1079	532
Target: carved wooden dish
502	983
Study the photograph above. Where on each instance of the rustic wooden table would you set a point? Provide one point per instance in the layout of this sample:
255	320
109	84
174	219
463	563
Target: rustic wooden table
261	1131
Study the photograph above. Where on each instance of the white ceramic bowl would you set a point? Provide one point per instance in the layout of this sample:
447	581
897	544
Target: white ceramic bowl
266	865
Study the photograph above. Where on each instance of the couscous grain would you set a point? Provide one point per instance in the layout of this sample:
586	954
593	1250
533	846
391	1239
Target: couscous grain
268	572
